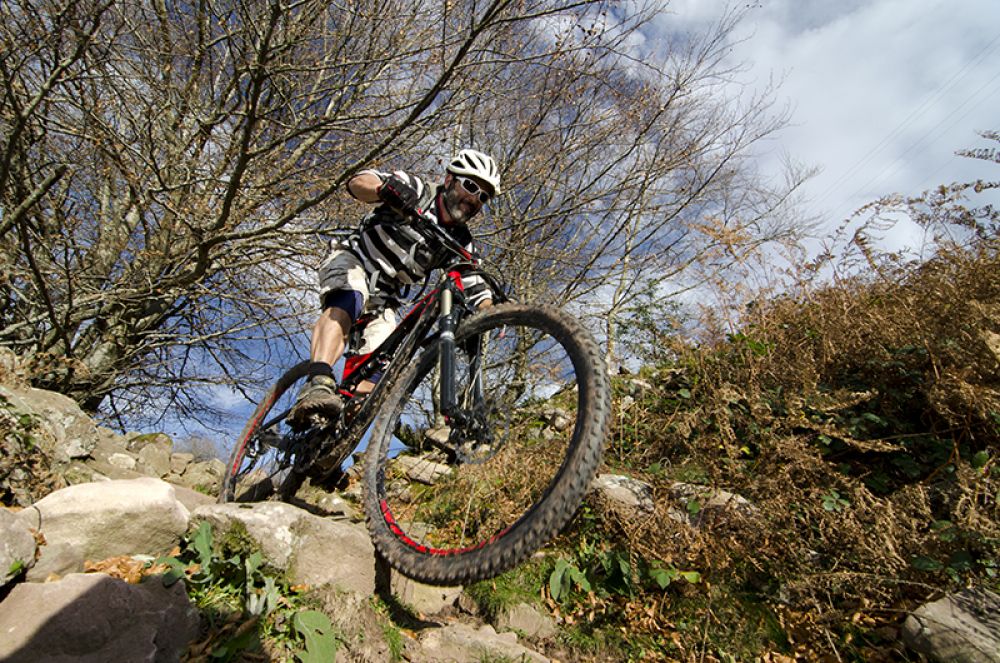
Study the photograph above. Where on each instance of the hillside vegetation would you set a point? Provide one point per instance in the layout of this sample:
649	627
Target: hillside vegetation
862	420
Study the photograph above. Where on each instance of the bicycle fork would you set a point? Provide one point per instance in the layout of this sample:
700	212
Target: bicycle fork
449	398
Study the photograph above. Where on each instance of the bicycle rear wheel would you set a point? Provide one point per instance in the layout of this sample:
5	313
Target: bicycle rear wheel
262	463
451	502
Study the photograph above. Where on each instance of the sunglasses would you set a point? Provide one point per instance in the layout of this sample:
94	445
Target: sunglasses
473	187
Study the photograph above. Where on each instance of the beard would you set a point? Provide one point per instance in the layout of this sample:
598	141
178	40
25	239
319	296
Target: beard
459	209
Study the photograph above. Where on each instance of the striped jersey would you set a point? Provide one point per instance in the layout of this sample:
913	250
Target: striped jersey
395	255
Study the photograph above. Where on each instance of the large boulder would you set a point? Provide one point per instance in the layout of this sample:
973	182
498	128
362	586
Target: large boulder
72	434
17	547
95	618
100	520
959	628
313	550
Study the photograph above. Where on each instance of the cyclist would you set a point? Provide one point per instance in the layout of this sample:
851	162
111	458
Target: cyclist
368	272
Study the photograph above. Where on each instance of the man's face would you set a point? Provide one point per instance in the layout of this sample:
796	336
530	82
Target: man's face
460	204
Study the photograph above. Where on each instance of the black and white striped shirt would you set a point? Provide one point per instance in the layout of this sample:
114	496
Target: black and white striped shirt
395	255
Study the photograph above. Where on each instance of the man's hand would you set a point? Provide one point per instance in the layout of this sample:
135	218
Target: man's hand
397	194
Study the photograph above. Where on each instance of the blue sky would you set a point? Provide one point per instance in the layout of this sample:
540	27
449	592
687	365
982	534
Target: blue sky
882	93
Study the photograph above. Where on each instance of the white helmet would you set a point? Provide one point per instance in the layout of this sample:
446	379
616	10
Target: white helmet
476	164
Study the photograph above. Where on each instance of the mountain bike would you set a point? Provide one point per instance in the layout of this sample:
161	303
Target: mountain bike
486	429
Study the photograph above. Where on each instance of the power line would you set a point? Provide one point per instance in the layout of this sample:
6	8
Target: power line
923	108
927	138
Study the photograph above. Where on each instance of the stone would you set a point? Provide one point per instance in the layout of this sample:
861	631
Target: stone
100	520
137	441
558	418
122	461
11	371
464	643
73	433
625	491
17	547
960	628
94	618
154	458
421	469
192	499
179	462
313	550
205	474
711	503
425	599
527	620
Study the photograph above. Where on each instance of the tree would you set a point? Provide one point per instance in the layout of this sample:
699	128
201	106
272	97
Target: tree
166	167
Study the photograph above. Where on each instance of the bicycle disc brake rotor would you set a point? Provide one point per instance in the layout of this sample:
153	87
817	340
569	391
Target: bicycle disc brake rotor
483	437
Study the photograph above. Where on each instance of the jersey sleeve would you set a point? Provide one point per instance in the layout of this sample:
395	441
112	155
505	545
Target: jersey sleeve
418	184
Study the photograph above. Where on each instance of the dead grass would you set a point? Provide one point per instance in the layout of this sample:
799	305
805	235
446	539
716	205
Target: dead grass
862	419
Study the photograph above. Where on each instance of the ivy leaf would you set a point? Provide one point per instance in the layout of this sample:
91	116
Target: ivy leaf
315	627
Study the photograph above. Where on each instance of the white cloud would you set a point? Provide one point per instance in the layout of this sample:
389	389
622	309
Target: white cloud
883	92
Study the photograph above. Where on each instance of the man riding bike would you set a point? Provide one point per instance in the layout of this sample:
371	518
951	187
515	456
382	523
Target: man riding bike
368	272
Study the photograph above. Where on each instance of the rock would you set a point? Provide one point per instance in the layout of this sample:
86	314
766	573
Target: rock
421	469
73	433
17	547
192	499
527	620
636	386
625	491
425	599
135	442
154	458
122	461
11	372
960	628
362	632
558	418
703	502
463	643
96	618
206	474
313	550
179	462
100	520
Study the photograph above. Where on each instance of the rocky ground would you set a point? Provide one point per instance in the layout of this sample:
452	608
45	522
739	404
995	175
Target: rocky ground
110	503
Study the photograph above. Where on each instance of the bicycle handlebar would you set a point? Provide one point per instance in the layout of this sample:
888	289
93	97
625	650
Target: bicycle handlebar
472	261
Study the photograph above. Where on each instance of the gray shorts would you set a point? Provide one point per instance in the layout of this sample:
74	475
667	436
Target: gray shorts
342	270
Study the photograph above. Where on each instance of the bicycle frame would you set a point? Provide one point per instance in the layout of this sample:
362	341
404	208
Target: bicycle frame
444	306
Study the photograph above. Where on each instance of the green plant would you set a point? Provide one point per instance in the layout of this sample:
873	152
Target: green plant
564	577
611	572
519	585
832	501
230	576
16	568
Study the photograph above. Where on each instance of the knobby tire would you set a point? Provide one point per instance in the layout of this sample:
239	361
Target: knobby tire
238	484
399	522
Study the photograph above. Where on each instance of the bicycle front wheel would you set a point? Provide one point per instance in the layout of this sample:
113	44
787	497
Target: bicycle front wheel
451	501
262	464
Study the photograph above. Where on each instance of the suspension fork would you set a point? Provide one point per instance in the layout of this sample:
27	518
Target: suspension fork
447	324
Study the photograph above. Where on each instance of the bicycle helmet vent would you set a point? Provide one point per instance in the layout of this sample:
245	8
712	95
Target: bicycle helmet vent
476	164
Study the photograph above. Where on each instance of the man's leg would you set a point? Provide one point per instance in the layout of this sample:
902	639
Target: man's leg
320	395
329	336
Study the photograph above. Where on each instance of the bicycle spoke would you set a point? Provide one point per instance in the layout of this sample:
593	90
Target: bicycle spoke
502	458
